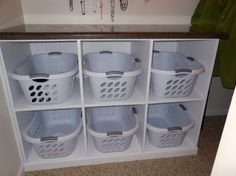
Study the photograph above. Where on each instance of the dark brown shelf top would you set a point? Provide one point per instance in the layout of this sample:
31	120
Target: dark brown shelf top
38	32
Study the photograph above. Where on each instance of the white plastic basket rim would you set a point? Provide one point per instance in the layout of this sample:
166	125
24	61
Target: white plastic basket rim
59	139
173	128
53	76
193	72
125	74
124	133
164	130
27	63
136	69
199	70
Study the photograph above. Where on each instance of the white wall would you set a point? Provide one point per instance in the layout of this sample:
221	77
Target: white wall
219	98
138	12
225	161
10	13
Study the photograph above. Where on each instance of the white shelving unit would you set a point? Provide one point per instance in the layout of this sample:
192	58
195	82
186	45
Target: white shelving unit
203	50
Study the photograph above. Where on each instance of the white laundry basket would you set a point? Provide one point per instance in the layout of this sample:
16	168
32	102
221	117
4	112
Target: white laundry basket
168	124
53	133
173	74
112	75
112	128
47	78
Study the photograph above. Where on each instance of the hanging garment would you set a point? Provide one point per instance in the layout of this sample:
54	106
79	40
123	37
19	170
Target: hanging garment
219	16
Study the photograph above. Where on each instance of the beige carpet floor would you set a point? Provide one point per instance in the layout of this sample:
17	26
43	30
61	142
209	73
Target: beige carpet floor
197	165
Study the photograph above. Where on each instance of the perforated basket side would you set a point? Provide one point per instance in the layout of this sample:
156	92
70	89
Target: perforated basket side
107	89
45	86
111	75
173	86
169	135
173	74
52	146
113	141
49	92
168	139
112	86
55	149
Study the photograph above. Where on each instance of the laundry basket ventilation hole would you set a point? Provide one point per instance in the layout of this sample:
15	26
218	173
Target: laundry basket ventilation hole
114	144
44	93
51	150
173	138
178	87
113	90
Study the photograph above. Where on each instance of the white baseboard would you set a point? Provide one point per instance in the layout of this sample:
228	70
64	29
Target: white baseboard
216	112
219	99
21	171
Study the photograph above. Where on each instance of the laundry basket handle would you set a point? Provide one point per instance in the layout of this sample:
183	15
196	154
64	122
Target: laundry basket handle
119	133
156	51
137	60
39	77
55	53
49	138
114	74
105	52
174	128
114	133
134	110
183	107
190	58
182	72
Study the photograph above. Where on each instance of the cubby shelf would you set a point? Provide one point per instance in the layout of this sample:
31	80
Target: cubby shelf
203	50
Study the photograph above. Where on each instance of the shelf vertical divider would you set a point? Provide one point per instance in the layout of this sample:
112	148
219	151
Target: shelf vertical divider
147	92
80	65
143	50
205	51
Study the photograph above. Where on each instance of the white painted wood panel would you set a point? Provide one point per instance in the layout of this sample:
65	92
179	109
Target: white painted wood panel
219	98
225	161
11	163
